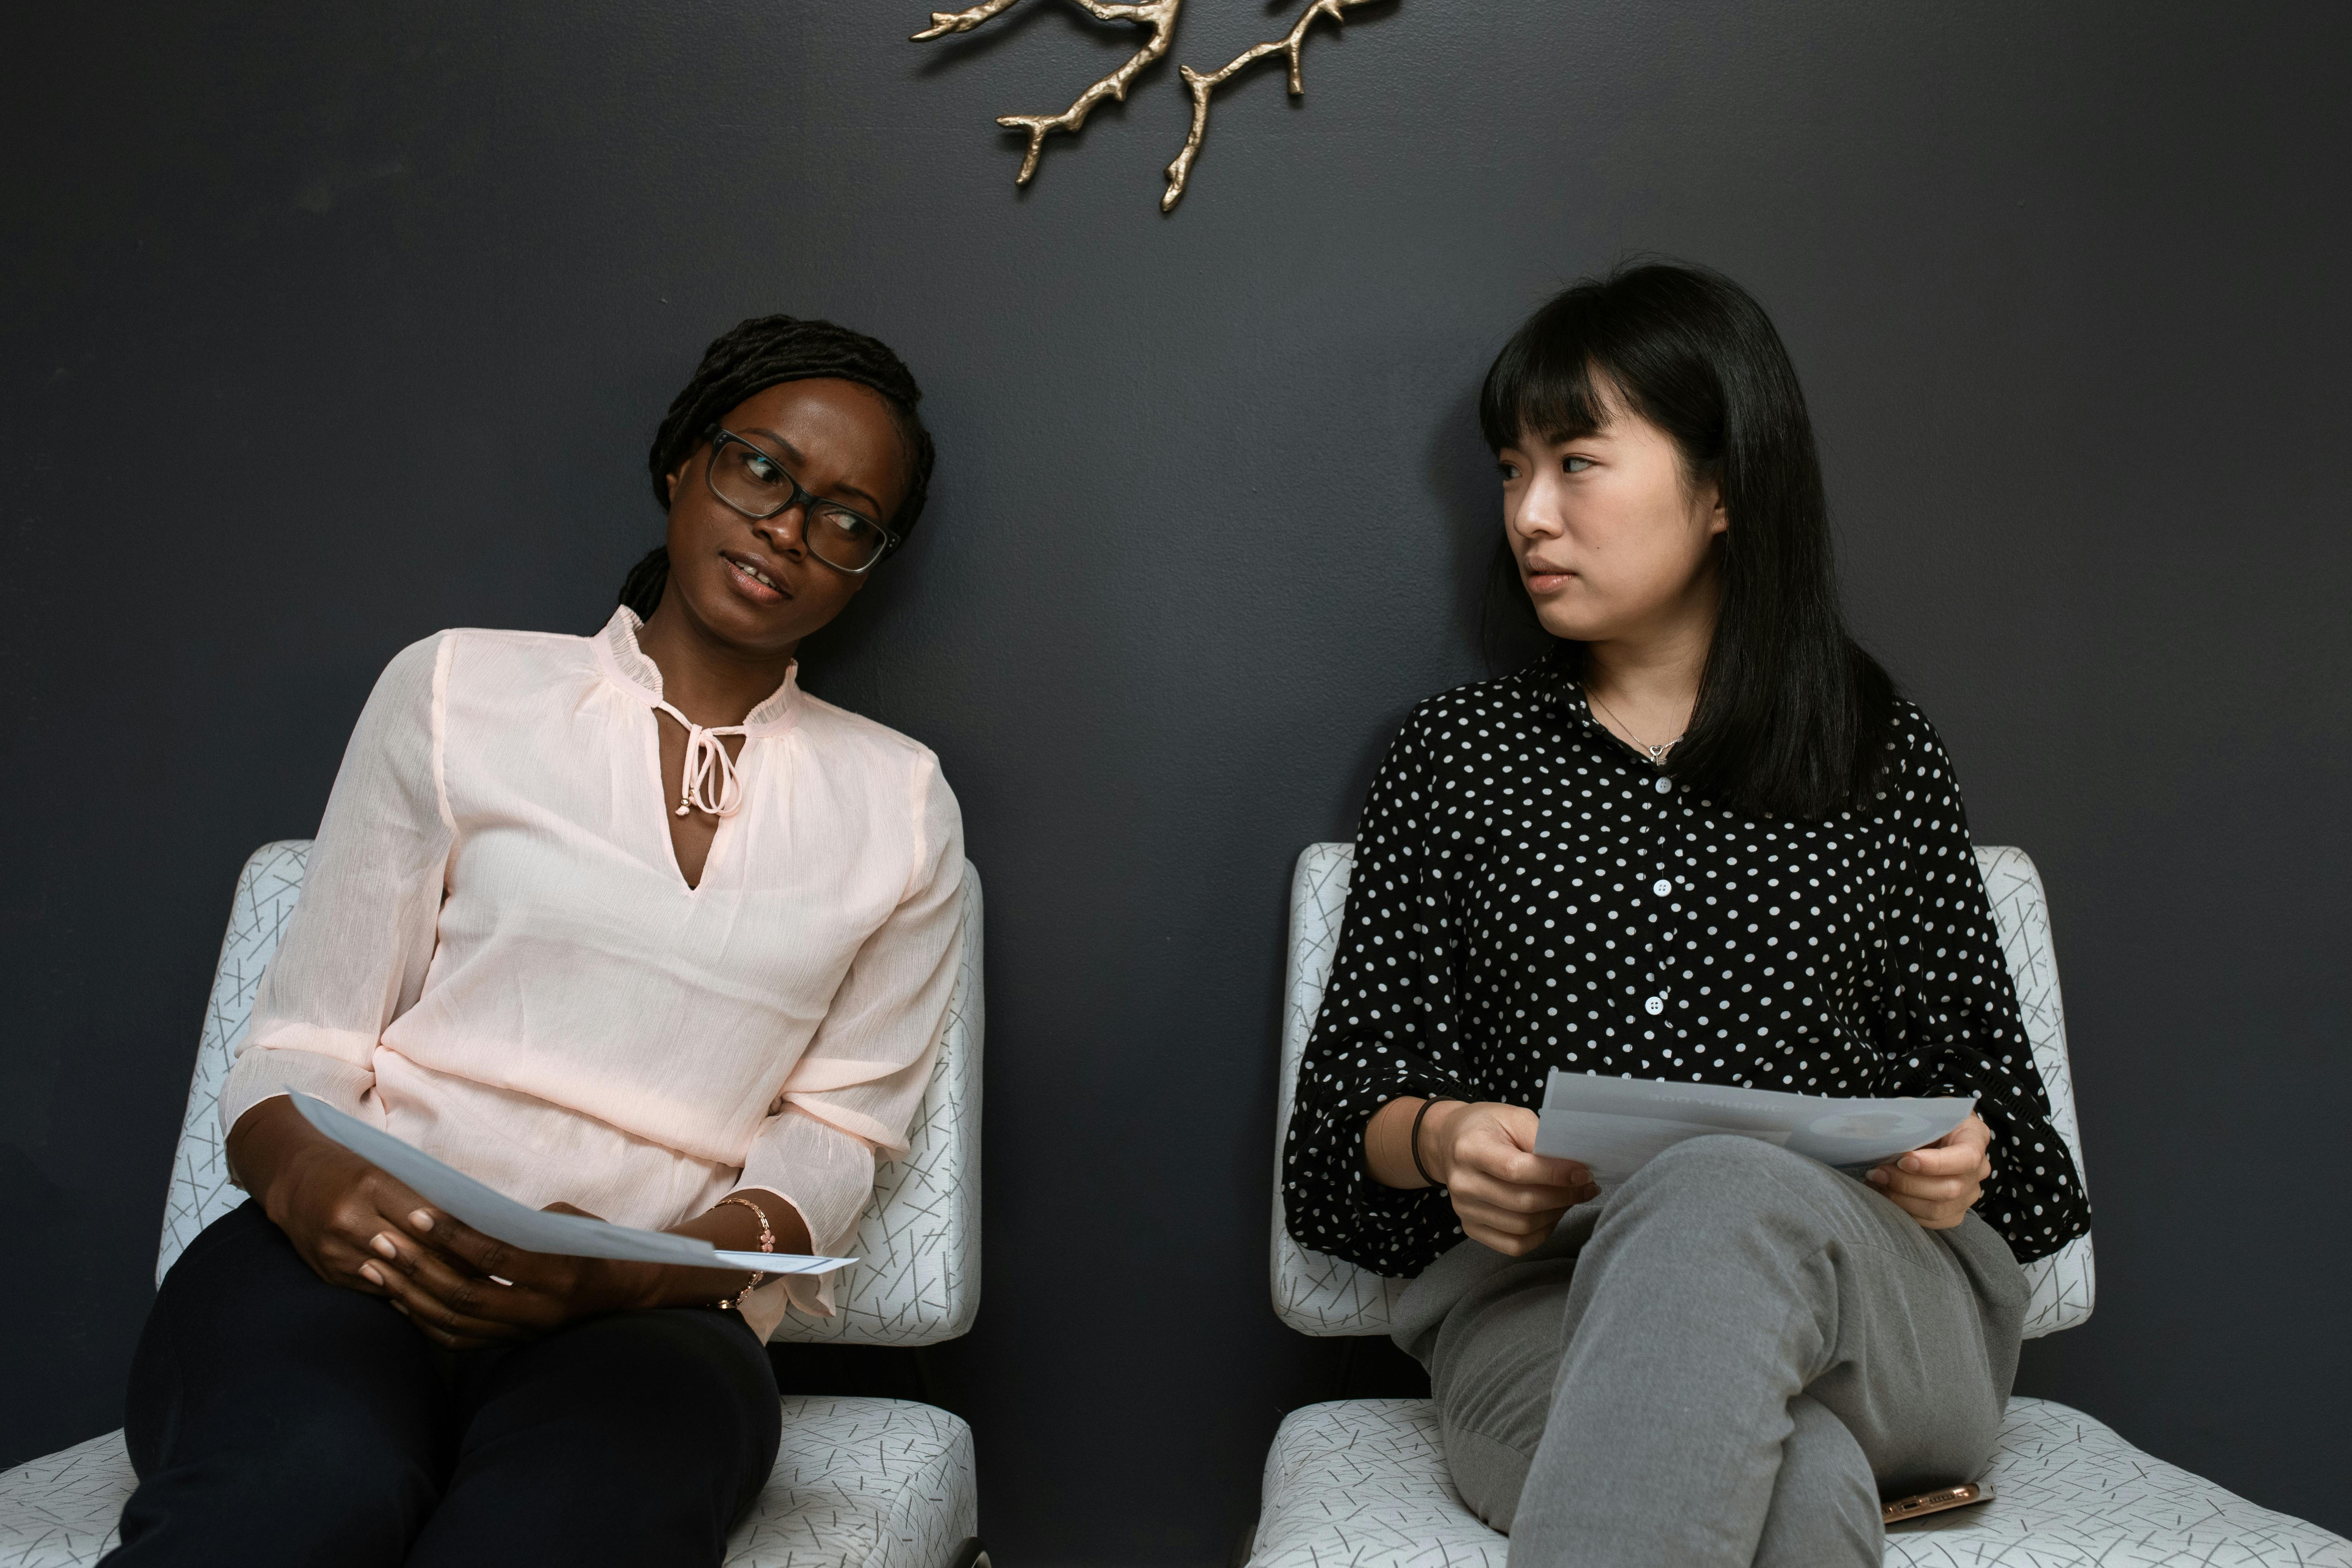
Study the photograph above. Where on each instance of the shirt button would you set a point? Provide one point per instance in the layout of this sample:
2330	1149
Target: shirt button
1662	887
1654	1006
1664	784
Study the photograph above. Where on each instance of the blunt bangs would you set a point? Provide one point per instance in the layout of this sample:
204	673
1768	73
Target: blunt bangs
1543	383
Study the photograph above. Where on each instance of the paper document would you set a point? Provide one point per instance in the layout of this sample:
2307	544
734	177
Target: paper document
1614	1126
494	1213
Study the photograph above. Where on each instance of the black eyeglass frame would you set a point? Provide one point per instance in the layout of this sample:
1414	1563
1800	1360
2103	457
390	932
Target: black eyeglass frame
801	496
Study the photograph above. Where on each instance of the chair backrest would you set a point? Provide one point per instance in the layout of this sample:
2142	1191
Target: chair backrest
1318	1294
917	1278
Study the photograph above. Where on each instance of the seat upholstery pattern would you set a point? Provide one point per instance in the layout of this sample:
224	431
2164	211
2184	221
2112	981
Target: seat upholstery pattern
1362	1482
1314	1292
917	1281
2071	1493
857	1483
863	1483
62	1510
1318	1294
267	891
2065	1284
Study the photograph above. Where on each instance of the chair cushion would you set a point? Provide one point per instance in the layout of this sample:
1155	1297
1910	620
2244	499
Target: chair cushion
858	1483
1363	1482
863	1483
60	1511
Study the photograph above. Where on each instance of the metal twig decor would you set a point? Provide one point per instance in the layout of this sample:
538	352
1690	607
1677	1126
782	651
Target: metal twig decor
1161	17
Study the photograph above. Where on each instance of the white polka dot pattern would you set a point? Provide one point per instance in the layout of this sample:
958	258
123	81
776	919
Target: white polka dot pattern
1318	1294
1362	1483
1505	919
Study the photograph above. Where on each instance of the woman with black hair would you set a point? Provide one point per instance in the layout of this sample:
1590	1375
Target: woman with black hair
1702	839
626	924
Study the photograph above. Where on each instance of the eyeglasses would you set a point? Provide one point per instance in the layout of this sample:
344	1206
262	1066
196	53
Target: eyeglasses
759	487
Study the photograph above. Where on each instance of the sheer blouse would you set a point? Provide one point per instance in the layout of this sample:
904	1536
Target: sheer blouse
496	959
1530	893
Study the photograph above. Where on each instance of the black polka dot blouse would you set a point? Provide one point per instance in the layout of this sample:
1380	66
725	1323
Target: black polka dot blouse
1530	893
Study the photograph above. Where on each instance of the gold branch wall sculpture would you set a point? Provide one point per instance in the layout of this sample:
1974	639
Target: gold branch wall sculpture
1161	17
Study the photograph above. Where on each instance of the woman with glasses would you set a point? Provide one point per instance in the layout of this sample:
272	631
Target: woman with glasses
1702	840
626	924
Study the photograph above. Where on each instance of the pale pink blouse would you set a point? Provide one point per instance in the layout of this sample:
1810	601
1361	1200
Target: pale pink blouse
496	960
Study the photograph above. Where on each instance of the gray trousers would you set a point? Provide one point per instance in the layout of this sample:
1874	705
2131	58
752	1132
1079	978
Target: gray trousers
1727	1361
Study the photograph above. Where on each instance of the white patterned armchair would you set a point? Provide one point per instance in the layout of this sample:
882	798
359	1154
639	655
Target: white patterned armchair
1363	1481
857	1483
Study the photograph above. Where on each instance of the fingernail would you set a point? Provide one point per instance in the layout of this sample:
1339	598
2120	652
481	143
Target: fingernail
382	1244
421	1220
1909	1163
368	1272
1878	1175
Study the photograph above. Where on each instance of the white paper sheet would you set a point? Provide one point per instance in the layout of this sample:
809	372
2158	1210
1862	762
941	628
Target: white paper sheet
1614	1126
494	1213
1613	1147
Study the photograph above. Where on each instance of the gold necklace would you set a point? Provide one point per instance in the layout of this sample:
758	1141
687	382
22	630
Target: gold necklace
1657	754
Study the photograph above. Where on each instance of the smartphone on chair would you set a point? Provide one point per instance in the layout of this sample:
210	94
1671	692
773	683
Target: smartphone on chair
1919	1505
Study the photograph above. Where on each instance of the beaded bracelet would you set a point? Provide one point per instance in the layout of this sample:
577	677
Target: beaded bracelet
767	1244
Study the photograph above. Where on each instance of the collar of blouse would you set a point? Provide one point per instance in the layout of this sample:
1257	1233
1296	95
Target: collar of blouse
1573	704
710	782
1577	709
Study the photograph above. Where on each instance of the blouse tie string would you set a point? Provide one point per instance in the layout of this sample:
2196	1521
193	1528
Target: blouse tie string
708	781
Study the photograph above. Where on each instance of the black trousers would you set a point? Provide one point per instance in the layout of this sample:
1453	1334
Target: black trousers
276	1419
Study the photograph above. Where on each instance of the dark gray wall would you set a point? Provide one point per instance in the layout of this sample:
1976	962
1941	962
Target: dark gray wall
326	326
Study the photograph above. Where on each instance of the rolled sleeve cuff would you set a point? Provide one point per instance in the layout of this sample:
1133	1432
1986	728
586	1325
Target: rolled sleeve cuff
262	1073
827	1175
859	1127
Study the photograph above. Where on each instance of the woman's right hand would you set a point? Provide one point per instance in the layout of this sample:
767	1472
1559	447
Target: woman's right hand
1506	1195
344	1216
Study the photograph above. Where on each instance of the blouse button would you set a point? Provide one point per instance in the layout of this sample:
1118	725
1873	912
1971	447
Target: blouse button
1654	1006
1662	887
1663	783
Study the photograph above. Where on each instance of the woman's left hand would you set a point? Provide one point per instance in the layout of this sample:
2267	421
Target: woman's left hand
468	1290
1939	1185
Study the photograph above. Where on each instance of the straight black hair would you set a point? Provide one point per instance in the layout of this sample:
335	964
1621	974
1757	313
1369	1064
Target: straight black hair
1793	717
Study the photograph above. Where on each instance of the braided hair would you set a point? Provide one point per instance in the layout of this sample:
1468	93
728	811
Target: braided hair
756	355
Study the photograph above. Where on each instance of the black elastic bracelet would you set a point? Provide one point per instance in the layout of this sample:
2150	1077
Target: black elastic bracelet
1416	1144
